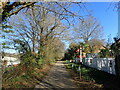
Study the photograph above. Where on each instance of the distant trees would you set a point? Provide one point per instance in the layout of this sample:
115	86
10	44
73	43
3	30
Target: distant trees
71	51
88	29
95	45
54	50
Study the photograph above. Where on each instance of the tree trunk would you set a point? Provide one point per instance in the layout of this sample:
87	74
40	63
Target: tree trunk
117	65
41	46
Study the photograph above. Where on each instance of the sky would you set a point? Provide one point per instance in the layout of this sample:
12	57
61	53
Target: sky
107	15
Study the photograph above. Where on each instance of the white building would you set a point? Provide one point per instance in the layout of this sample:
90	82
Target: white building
10	59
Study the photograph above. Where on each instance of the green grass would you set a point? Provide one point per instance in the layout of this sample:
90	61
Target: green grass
90	74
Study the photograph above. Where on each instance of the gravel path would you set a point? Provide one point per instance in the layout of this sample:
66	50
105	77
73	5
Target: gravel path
57	78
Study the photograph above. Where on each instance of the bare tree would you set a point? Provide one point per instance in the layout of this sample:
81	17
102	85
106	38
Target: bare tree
88	29
95	45
8	8
41	23
11	8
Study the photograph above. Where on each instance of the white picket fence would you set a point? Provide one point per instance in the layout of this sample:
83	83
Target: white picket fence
103	64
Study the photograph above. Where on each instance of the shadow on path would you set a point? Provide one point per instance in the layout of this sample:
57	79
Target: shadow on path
58	78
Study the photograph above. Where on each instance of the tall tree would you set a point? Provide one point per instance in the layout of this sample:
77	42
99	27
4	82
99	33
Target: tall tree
39	27
41	23
87	29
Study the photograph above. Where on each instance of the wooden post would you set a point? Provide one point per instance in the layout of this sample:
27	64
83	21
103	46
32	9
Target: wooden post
79	69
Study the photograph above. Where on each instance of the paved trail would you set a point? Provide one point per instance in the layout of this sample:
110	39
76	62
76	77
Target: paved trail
58	77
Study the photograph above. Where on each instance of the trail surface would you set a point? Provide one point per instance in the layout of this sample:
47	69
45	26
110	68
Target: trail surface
57	78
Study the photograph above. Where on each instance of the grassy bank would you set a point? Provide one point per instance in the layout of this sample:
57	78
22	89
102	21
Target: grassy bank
23	76
92	78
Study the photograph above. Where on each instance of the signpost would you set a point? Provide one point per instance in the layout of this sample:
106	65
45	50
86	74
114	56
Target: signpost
80	54
79	68
80	57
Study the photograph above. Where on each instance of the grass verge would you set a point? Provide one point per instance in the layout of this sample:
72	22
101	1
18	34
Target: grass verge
92	78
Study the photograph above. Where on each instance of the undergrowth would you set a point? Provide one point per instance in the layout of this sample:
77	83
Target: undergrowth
86	81
92	78
23	76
